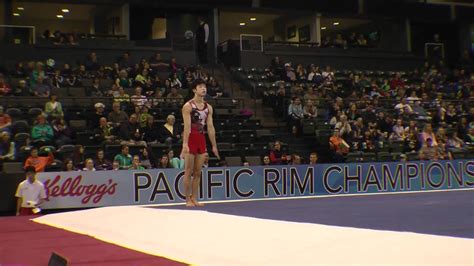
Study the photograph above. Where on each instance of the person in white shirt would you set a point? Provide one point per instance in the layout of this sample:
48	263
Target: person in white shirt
89	165
30	193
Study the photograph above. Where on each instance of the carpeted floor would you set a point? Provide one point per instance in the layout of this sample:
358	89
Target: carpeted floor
23	242
449	213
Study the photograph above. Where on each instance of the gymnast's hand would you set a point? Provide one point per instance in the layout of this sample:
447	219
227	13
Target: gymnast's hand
184	150
216	152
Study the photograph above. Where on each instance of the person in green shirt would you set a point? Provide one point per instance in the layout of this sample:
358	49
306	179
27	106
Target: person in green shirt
136	164
53	108
124	158
176	162
42	131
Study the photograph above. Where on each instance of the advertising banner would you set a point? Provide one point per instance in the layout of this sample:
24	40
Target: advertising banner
159	186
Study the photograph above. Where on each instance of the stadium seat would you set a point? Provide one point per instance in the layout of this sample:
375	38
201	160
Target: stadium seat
78	125
34	112
233	161
253	160
21	139
13	168
14	113
20	126
353	157
76	91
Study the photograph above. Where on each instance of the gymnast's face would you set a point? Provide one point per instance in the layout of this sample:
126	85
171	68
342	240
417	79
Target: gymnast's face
200	90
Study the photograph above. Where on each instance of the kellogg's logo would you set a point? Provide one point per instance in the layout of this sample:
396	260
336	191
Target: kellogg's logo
72	187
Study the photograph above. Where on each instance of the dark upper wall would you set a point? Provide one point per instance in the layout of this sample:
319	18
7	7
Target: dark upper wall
12	54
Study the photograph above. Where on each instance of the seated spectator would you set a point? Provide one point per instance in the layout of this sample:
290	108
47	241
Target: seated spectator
115	165
313	158
147	159
39	162
72	81
138	99
37	70
470	136
170	133
174	97
339	41
130	132
41	89
300	73
69	166
174	67
361	40
123	80
157	64
136	165
124	158
89	165
92	62
7	148
214	90
403	108
31	194
164	162
311	95
117	116
338	146
266	160
125	62
174	81
151	132
93	119
310	111
175	162
5	88
428	134
42	132
295	114
60	40
103	134
53	109
343	126
290	75
143	79
368	142
143	116
428	151
101	163
57	80
71	40
22	89
295	159
451	115
95	90
157	99
398	131
277	156
328	75
122	98
454	142
78	156
62	133
5	121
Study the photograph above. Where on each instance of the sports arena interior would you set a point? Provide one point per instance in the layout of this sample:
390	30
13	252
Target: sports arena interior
99	85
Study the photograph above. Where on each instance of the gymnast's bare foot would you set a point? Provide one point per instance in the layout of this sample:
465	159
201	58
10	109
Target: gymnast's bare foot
189	202
196	202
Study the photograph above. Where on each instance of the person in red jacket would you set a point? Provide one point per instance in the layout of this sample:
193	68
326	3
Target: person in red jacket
39	162
276	155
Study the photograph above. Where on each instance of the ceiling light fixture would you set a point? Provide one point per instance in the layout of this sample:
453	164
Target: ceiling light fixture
16	14
59	16
20	8
323	28
242	23
335	23
253	19
65	10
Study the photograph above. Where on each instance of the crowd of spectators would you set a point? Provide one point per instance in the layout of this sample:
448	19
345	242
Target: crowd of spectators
429	111
127	122
351	41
